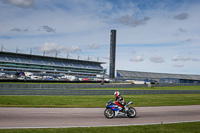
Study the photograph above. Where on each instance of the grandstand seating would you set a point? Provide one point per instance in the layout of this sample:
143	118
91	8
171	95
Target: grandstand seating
149	75
42	63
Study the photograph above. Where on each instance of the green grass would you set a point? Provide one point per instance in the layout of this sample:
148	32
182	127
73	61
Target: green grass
98	101
193	127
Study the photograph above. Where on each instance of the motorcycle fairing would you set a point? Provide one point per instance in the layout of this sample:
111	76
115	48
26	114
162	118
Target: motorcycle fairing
114	107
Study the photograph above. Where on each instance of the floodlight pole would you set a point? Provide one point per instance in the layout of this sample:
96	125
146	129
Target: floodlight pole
31	52
17	50
56	53
112	53
2	48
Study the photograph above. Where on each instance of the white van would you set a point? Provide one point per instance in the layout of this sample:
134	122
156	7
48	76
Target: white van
35	77
69	77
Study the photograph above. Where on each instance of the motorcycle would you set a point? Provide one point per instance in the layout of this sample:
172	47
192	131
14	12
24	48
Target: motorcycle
114	110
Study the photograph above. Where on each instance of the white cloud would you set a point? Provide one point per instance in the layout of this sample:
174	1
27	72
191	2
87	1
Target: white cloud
131	21
51	48
73	49
47	29
20	3
178	58
156	59
182	58
19	30
136	59
182	16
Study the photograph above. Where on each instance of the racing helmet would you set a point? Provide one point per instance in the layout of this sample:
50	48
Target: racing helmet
116	93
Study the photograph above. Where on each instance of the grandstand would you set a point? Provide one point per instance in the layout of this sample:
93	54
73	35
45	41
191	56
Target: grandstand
160	77
16	62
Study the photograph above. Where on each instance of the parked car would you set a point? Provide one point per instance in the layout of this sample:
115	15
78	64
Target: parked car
154	82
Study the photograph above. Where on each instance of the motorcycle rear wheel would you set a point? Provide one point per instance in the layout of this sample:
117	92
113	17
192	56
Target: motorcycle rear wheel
109	113
131	112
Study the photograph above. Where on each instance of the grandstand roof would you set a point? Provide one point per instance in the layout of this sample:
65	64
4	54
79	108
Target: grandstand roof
49	57
151	75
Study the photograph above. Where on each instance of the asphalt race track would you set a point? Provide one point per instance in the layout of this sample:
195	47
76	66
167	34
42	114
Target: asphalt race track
88	117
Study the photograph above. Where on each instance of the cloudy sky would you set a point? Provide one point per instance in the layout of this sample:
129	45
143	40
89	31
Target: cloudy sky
152	35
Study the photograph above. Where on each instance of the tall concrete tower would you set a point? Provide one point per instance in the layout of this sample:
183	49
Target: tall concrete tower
112	53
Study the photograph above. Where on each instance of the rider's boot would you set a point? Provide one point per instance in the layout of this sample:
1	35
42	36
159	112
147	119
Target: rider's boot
126	109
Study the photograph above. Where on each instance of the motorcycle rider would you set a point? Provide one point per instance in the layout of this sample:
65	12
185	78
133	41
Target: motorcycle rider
119	100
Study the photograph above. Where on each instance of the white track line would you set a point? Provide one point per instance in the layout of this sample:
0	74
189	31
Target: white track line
98	125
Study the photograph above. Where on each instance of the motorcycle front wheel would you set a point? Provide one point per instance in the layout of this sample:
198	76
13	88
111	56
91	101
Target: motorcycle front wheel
131	112
109	113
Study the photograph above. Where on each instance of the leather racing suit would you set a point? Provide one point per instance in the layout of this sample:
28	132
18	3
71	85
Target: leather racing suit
119	100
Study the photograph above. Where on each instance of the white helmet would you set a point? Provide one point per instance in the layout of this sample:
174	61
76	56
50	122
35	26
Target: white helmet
116	93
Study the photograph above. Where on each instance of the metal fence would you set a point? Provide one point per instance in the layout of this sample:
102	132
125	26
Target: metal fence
78	89
71	86
60	91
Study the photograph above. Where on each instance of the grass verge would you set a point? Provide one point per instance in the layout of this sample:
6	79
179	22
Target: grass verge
98	101
192	127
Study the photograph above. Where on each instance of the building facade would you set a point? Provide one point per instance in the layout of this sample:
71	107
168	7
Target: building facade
160	77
